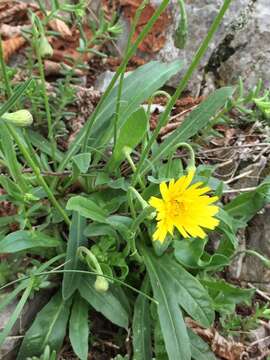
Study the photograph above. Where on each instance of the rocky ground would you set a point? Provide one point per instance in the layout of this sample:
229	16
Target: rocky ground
240	48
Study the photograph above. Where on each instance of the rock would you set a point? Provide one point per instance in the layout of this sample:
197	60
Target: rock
248	48
249	268
239	48
9	349
104	79
11	342
200	17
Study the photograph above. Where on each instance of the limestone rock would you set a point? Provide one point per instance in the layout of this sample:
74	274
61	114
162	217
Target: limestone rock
250	49
249	268
200	17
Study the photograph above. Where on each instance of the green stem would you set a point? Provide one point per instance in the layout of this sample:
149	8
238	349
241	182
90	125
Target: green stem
138	196
46	102
263	259
4	71
83	272
181	33
91	259
182	85
191	163
133	166
157	93
36	170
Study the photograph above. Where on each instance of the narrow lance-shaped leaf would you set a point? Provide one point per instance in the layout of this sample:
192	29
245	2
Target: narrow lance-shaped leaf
78	327
141	326
106	303
174	286
25	240
48	328
87	208
196	121
199	349
171	320
147	78
76	238
130	135
246	205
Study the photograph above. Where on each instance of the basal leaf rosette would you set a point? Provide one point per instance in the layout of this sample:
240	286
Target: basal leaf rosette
185	207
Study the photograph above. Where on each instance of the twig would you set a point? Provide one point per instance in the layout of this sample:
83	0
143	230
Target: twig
235	147
232	191
48	173
261	293
244	174
258	341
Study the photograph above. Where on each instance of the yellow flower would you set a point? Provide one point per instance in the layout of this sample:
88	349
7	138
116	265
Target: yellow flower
185	207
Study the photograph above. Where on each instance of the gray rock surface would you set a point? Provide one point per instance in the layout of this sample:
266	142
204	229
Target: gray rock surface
239	48
249	268
9	349
250	49
200	17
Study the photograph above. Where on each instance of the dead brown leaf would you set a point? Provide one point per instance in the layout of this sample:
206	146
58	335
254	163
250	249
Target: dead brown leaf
55	68
9	31
61	27
156	38
220	346
13	11
10	46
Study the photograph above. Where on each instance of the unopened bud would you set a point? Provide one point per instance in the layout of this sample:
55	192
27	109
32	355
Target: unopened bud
20	118
101	284
45	48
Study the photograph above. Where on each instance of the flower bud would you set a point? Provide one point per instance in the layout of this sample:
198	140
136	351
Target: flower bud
19	118
45	48
101	284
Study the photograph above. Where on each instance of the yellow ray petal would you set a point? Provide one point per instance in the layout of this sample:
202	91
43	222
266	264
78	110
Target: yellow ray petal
156	203
164	190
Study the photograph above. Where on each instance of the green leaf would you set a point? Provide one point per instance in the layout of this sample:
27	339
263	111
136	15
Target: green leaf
76	238
25	240
172	286
15	97
199	349
48	328
196	121
130	135
82	161
189	292
246	205
11	188
78	327
11	158
108	199
225	296
97	229
44	145
171	320
147	78
141	326
159	345
87	208
105	303
191	254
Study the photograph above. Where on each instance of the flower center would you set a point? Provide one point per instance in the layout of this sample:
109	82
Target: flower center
175	207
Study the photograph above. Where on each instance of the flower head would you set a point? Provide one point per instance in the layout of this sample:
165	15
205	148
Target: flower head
185	207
